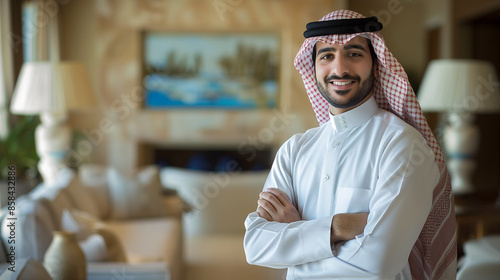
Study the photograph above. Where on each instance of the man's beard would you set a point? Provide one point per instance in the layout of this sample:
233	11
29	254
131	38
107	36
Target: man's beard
363	91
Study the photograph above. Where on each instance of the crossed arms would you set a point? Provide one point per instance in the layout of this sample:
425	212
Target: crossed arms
377	244
274	205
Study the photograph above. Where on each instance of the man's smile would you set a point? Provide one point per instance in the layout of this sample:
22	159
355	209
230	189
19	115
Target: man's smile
341	85
338	83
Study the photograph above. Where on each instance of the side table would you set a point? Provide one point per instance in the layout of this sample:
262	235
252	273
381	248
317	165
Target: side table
477	215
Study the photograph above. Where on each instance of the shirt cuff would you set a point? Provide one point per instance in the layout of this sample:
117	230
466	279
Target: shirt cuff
315	239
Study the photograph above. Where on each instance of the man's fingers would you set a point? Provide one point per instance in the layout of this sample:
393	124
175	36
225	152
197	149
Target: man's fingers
268	207
280	195
271	198
274	205
266	204
263	213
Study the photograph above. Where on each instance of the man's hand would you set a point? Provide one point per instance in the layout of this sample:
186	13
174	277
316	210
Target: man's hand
346	226
274	205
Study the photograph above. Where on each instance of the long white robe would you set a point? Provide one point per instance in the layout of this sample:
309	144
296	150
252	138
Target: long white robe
364	160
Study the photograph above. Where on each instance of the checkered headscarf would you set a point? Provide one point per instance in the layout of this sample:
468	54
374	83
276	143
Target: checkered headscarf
435	248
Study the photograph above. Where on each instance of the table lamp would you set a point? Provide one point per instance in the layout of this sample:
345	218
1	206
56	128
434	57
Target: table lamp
51	89
461	88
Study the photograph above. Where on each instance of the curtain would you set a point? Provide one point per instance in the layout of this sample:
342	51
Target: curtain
6	69
32	45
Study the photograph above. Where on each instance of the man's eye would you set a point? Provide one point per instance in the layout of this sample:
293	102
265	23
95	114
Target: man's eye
354	54
326	56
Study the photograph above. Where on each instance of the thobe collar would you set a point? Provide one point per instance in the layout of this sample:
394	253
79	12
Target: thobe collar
354	117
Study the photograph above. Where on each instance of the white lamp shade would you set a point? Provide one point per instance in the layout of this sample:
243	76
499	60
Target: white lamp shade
460	85
54	87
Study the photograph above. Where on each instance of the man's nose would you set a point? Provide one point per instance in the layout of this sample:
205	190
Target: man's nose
340	66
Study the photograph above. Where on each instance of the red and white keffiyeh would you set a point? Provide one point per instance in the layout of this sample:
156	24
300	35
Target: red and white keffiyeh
436	246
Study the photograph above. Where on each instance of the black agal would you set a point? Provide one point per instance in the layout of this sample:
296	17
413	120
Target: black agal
342	26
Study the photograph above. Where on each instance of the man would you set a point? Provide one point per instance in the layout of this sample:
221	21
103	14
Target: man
366	194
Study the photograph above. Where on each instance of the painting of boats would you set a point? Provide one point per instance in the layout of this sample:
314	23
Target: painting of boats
220	70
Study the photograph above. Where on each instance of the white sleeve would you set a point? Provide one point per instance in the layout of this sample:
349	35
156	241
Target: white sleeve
398	210
281	245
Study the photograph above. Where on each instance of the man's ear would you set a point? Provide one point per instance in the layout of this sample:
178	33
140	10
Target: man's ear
375	69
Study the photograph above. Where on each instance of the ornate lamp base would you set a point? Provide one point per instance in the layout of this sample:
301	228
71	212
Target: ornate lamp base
461	139
53	139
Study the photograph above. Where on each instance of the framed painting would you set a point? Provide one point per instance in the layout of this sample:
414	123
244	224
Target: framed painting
211	70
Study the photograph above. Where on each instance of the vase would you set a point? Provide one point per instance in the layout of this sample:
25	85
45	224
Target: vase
64	259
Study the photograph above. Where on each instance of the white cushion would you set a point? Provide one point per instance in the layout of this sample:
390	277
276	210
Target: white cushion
481	259
97	243
56	195
85	219
71	223
220	201
33	228
66	193
94	178
94	248
82	198
135	195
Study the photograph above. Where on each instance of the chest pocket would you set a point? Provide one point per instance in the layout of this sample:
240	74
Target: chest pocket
352	200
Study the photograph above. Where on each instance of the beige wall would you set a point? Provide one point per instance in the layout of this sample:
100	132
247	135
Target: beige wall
403	31
438	14
406	23
106	36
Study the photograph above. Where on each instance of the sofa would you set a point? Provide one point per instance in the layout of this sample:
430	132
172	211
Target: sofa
126	224
481	260
214	227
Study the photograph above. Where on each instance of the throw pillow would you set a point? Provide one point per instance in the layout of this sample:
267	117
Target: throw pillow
94	179
220	200
86	219
135	196
57	196
70	222
82	198
94	248
97	242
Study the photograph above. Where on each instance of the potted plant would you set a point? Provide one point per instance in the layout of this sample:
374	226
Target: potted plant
18	150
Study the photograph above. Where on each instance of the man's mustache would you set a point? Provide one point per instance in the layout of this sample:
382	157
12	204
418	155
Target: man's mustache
345	77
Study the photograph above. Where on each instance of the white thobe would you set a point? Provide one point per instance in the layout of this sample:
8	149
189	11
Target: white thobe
364	160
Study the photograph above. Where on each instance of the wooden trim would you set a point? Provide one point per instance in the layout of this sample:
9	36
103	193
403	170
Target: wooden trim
16	26
467	9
